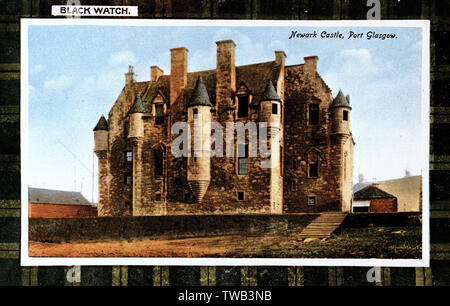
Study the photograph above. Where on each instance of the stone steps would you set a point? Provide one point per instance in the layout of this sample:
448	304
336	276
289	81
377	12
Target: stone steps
323	226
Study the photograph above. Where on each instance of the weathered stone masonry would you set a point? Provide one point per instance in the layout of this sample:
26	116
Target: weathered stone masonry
311	145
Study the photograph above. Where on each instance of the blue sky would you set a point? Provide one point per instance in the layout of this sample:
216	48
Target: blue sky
77	72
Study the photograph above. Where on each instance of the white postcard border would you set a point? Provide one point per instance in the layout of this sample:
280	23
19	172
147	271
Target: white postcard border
26	260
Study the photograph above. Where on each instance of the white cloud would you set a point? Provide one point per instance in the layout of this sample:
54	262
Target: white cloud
122	58
36	69
58	83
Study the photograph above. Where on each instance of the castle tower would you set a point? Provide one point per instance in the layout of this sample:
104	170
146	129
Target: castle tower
136	135
270	112
101	134
342	148
199	120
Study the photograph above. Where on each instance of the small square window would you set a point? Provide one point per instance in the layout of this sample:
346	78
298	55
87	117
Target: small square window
312	200
127	204
345	115
158	197
240	196
127	179
274	108
313	170
195	112
129	156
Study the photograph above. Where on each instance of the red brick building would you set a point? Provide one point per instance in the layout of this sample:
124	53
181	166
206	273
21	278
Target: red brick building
373	199
47	203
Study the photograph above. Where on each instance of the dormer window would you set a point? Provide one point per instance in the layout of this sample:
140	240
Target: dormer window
243	106
159	113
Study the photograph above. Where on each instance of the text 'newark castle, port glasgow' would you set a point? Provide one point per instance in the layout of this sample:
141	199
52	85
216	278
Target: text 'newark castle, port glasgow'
308	139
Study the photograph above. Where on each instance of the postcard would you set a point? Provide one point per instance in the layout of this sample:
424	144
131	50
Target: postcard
208	142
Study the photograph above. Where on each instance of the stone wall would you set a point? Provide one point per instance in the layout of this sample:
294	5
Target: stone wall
107	228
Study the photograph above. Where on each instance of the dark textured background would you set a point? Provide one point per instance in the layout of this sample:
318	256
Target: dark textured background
438	11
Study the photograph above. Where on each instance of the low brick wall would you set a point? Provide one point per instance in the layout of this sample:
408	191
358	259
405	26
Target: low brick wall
382	219
108	228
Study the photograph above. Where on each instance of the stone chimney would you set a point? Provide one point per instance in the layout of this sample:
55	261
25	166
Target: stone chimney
155	73
310	65
178	72
225	78
280	58
129	76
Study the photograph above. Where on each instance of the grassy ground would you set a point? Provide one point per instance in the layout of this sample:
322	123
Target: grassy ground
375	242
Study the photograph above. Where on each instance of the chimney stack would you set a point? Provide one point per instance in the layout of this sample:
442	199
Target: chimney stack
178	72
155	73
225	78
280	58
129	76
310	65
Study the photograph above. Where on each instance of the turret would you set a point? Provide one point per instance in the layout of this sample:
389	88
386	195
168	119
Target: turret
340	109
270	112
199	120
101	135
136	122
270	106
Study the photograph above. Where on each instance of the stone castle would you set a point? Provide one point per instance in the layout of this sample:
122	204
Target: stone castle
310	142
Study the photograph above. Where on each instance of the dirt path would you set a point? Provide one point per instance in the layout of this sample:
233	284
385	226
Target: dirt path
189	247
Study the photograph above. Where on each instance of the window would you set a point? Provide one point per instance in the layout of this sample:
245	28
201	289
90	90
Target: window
127	204
159	113
195	112
313	170
293	164
240	196
128	156
126	129
158	162
242	106
345	115
361	209
274	108
242	158
311	200
293	185
158	197
127	179
313	114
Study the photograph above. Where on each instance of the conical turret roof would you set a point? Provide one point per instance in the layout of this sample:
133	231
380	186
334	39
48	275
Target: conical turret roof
340	101
102	124
137	107
270	94
200	94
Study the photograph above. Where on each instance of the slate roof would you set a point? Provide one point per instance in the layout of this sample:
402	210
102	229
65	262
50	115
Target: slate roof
340	101
270	94
372	192
49	196
102	124
254	76
137	107
200	94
